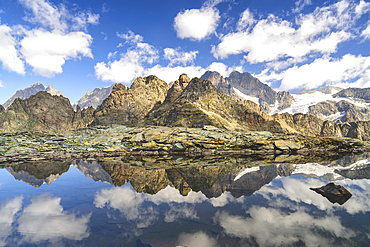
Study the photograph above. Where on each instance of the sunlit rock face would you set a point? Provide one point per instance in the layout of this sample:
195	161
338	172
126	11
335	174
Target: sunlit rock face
128	106
200	104
39	112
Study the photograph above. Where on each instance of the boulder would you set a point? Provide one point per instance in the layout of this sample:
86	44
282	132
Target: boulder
334	193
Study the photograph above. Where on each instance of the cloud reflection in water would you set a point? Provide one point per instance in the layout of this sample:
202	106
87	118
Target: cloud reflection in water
43	220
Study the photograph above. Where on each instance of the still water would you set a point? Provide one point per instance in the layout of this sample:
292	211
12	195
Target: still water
133	203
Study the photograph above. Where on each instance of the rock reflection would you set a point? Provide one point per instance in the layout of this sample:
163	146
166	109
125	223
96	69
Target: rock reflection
36	174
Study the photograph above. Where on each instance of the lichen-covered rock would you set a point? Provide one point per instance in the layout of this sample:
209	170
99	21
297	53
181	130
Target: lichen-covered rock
330	128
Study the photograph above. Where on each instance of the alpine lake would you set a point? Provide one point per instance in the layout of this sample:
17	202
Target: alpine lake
190	201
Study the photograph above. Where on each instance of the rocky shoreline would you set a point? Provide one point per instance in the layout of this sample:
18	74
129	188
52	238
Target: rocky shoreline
121	141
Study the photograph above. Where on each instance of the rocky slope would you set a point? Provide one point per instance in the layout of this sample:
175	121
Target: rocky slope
187	103
197	103
31	90
359	93
128	106
94	98
245	86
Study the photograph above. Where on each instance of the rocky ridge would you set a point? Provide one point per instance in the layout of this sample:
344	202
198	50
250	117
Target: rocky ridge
250	86
94	98
187	103
31	90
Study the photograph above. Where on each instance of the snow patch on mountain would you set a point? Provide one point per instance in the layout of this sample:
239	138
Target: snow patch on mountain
335	116
246	97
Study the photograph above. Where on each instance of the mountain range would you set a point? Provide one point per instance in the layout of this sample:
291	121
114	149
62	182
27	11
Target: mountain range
237	102
31	90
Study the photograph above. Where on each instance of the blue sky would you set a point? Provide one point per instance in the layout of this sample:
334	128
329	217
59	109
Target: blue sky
76	46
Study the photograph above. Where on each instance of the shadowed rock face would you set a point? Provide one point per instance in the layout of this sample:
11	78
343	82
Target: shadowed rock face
128	106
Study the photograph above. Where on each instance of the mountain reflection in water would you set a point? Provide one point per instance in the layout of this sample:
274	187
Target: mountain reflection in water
210	201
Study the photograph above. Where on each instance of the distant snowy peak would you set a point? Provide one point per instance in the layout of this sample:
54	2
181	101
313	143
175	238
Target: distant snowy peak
53	91
31	90
94	98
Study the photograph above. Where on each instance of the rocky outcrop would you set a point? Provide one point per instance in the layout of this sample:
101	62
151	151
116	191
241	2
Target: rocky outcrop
346	111
250	86
94	98
200	103
121	141
128	106
1	108
32	90
39	112
359	93
358	130
300	123
334	193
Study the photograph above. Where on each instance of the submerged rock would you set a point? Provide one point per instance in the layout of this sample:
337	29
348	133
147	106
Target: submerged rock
334	193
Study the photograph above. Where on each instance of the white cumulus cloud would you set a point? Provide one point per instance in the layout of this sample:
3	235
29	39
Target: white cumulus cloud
176	56
131	37
8	211
8	53
223	69
273	38
50	16
169	73
196	24
324	71
246	20
47	51
129	66
198	239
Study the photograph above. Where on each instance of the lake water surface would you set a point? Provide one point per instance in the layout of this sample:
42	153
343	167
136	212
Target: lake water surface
121	203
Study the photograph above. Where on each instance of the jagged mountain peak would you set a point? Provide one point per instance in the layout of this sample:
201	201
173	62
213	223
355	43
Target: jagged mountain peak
31	90
94	98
